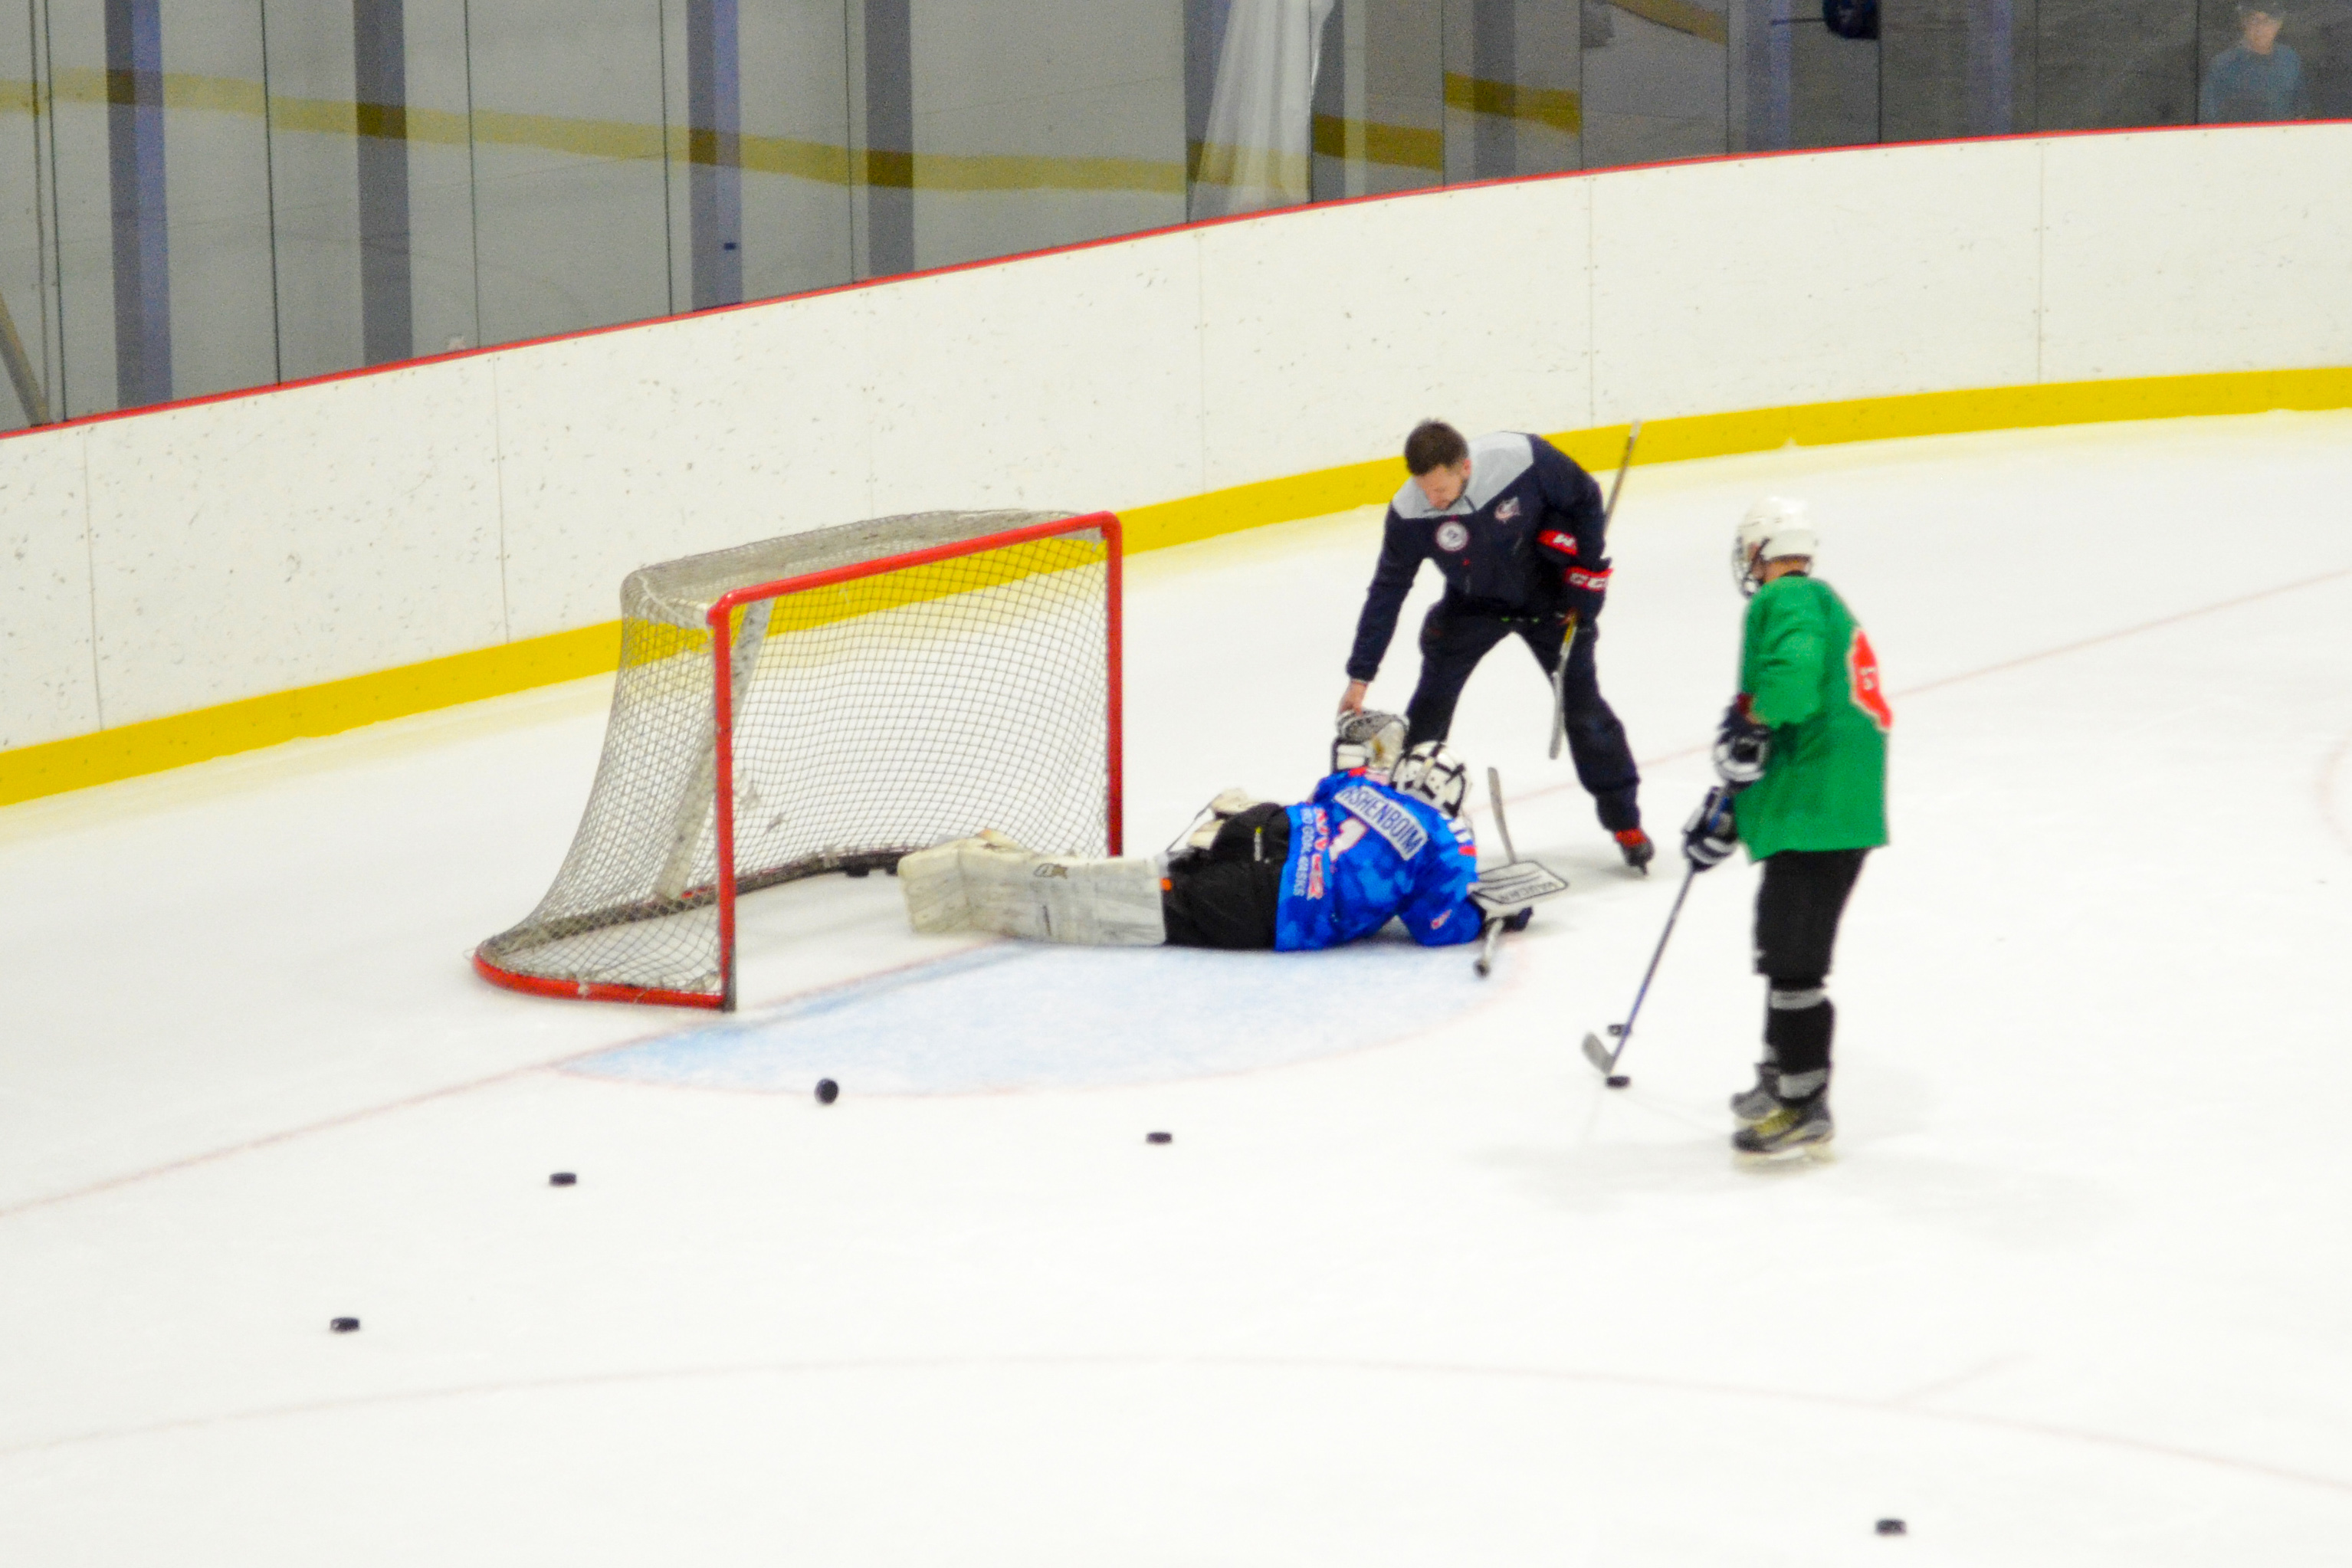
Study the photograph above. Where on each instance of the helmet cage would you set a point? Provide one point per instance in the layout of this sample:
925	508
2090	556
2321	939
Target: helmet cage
1430	772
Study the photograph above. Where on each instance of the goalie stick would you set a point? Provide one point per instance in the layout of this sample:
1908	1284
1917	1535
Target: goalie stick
1568	639
1600	1056
1511	891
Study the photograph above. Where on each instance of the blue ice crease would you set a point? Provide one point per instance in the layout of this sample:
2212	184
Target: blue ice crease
1023	1016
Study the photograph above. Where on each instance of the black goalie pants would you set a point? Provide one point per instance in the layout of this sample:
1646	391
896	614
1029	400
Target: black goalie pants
1224	896
1452	641
1798	906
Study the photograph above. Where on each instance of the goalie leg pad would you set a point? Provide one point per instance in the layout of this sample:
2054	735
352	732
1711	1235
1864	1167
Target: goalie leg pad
995	885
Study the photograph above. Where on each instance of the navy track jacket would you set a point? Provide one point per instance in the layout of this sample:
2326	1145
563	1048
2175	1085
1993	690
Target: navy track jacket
1522	540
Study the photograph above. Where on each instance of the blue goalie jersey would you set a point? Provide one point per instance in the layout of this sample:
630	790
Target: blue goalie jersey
1362	854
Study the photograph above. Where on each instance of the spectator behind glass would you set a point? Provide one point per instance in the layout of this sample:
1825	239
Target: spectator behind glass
2257	77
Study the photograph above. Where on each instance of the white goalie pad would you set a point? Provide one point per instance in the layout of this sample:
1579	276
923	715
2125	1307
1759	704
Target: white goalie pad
1508	889
992	884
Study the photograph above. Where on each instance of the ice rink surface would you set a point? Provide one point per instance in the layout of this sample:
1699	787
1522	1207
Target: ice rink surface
1408	1285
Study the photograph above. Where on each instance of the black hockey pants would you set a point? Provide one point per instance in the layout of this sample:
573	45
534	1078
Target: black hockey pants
1224	896
1453	640
1798	906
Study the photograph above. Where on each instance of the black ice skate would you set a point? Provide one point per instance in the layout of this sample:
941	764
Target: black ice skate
1790	1128
1636	846
1752	1105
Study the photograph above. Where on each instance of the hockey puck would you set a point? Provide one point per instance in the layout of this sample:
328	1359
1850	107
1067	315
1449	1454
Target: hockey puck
1893	1527
563	1179
860	871
827	1091
1160	1138
344	1325
1617	1080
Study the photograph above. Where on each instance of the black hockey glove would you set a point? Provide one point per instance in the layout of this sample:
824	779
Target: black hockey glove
1742	746
1711	833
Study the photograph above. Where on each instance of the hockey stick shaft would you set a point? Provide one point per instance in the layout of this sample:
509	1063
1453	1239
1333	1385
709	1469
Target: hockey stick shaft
1568	639
1626	1031
1502	823
1492	938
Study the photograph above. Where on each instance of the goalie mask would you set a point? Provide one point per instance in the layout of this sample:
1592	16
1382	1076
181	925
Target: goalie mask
1368	739
1773	530
1430	772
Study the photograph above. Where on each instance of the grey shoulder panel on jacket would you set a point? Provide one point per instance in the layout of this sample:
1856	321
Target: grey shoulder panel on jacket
1497	461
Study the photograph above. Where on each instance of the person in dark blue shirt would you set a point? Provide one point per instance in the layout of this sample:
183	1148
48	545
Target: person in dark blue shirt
2257	79
1515	527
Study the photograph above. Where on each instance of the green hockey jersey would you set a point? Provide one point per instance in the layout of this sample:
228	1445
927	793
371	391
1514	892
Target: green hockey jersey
1808	673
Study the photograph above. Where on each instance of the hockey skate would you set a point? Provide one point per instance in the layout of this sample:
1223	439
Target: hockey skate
1753	1104
1788	1129
1639	851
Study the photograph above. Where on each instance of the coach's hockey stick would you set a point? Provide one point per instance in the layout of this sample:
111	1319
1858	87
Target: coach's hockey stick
1600	1056
1568	639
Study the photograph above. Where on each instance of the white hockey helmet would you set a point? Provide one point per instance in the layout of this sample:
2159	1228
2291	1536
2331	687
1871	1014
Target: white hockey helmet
1430	772
1774	529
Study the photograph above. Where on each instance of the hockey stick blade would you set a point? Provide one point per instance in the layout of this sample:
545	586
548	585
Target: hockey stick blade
1598	1055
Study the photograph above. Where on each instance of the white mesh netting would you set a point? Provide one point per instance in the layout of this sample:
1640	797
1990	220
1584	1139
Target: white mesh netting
871	717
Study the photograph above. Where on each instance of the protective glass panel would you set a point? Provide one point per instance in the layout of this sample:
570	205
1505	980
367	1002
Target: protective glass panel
570	164
760	148
162	188
27	378
1043	123
1251	91
1807	77
2103	64
1659	85
1514	84
1380	105
371	172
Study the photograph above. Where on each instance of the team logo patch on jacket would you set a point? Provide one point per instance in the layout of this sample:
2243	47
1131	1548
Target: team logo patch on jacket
1507	511
1452	536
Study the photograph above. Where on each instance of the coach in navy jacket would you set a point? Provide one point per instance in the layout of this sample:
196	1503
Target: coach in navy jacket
1514	527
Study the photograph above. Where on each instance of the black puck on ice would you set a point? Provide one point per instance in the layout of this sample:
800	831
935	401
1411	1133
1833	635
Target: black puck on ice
860	871
344	1325
563	1179
1617	1080
827	1091
1893	1527
1160	1138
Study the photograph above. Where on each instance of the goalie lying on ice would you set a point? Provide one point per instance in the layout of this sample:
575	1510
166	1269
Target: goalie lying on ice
1366	848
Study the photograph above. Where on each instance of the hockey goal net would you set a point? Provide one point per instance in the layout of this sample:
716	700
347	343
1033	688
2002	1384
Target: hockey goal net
829	701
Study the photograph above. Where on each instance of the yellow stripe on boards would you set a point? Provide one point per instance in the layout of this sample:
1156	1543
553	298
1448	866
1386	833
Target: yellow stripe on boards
1680	15
1372	142
156	744
1561	110
329	707
625	140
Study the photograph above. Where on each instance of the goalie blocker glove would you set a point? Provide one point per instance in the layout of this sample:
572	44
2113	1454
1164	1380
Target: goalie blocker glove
1712	833
1742	746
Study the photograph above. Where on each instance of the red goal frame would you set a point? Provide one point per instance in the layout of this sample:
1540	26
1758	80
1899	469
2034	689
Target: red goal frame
719	618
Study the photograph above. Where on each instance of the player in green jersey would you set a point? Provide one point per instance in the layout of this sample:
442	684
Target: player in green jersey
1803	756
